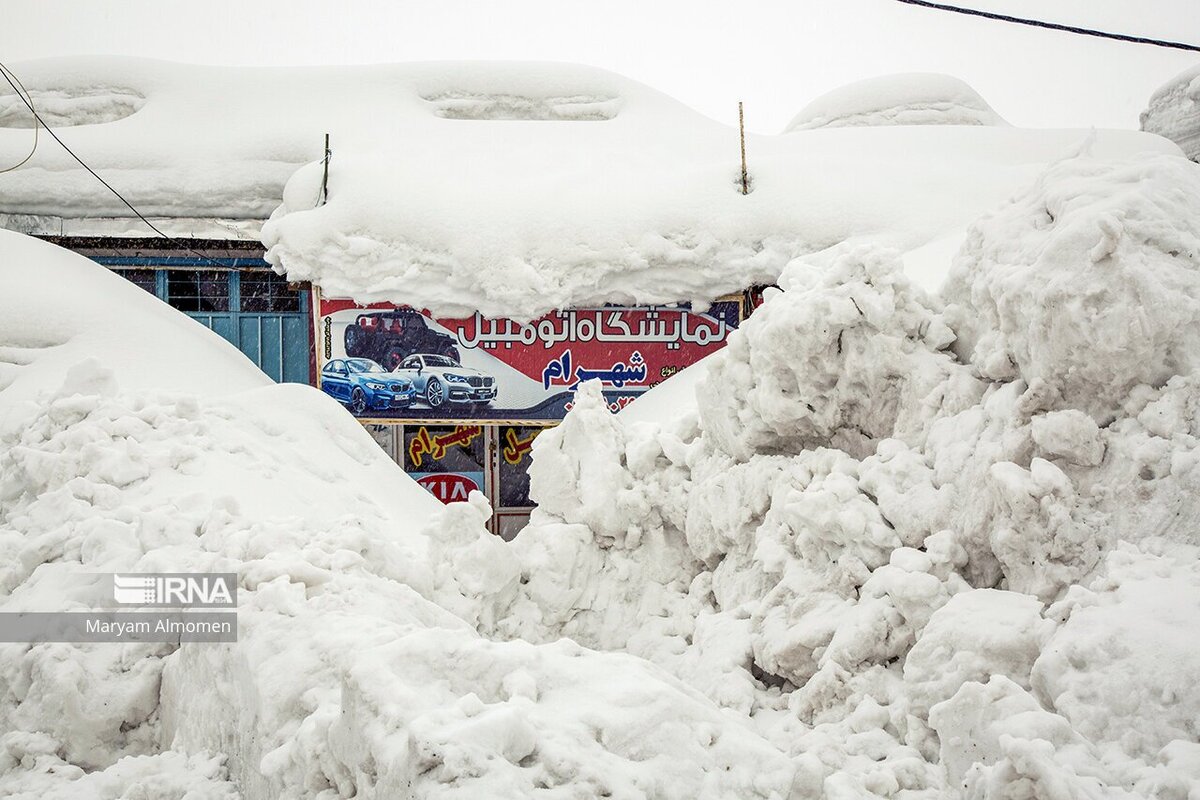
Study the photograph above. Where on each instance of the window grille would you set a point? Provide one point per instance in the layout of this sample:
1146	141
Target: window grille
265	292
198	290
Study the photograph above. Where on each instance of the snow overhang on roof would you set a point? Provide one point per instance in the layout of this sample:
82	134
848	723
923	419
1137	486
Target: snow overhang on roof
516	218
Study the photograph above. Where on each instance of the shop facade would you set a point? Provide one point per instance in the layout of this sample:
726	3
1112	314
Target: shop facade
458	403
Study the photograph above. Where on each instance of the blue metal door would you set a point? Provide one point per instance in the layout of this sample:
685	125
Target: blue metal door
277	343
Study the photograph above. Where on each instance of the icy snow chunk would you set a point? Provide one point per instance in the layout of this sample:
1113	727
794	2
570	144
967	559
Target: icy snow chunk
1088	282
975	635
1071	435
579	473
842	358
918	98
1042	537
61	108
998	743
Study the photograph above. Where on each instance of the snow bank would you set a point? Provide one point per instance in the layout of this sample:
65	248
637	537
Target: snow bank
1174	112
917	98
919	574
358	670
32	770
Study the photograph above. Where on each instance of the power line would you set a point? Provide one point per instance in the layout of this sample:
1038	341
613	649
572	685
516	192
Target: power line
36	126
1054	26
10	76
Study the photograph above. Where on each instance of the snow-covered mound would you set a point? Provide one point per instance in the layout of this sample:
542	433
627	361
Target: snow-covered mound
1174	112
918	573
916	98
358	671
45	329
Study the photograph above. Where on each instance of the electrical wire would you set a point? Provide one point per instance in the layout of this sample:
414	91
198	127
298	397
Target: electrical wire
10	77
37	124
1054	26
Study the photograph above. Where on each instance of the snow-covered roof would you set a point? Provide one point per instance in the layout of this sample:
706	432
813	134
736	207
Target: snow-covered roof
507	188
916	98
1174	112
202	142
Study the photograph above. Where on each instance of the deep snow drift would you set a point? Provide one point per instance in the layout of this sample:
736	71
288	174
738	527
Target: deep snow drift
507	188
931	546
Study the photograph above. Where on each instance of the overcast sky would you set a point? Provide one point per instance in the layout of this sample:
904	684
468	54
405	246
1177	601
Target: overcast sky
776	56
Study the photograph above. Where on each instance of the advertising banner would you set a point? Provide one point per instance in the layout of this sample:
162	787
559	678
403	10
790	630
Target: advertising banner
398	363
448	460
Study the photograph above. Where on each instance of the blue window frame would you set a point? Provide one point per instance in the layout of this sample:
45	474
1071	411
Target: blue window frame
243	301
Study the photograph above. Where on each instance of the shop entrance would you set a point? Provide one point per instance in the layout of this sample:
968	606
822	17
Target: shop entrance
451	461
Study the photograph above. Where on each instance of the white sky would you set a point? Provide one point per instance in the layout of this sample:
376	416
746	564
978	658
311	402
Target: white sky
776	55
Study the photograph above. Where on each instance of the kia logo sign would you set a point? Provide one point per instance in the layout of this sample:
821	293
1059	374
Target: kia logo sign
449	487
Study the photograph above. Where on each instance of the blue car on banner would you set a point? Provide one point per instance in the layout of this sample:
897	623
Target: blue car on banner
363	385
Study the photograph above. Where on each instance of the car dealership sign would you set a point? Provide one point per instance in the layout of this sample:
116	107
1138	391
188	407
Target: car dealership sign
397	363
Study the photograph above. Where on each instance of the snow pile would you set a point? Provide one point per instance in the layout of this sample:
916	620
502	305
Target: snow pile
1087	329
1174	112
928	545
358	670
918	98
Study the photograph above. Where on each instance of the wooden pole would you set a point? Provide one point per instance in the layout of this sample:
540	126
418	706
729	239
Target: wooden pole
742	136
325	177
